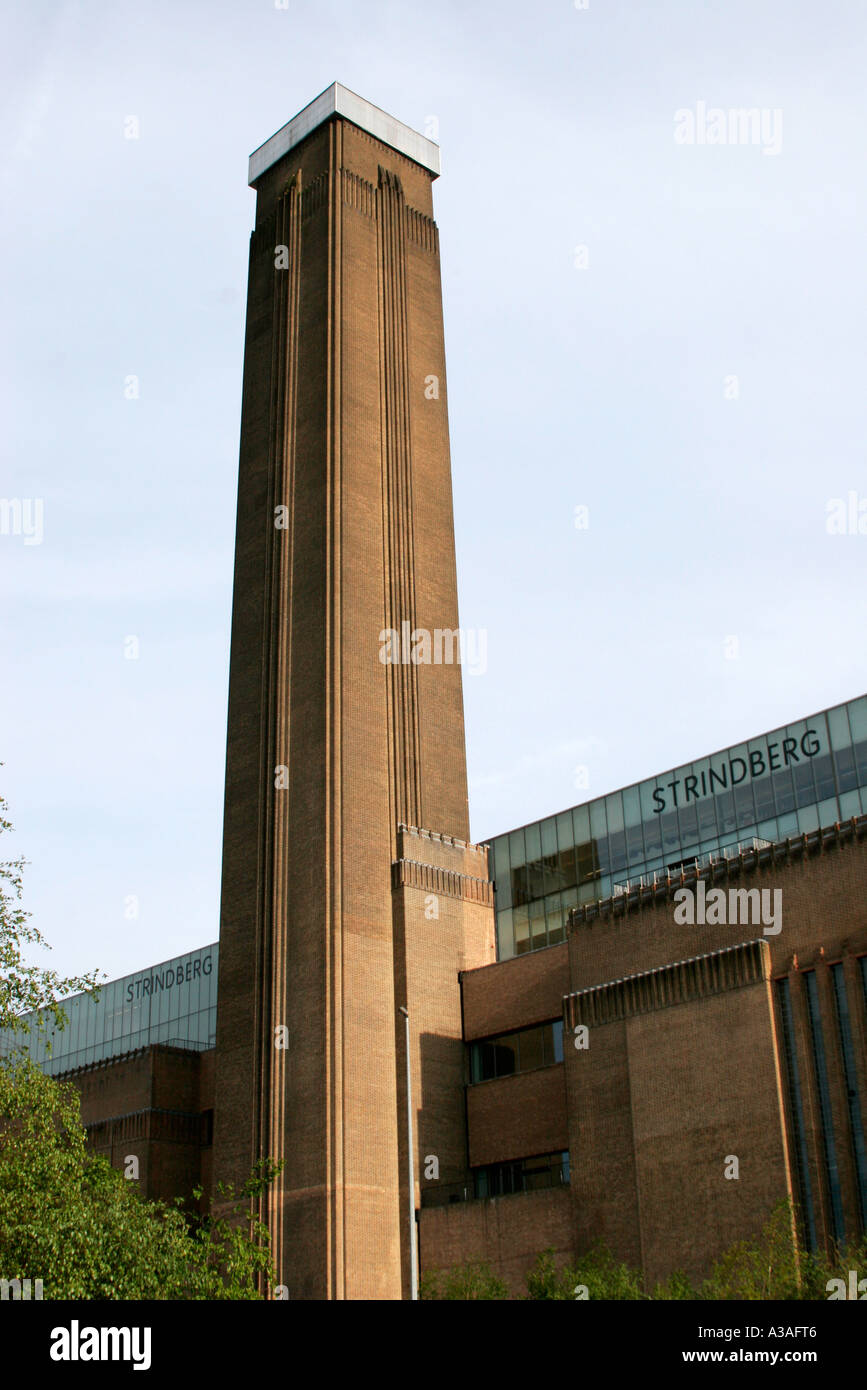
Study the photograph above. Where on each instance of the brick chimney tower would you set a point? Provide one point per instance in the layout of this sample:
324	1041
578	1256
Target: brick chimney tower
349	888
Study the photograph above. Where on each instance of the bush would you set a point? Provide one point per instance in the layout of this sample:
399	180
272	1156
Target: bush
473	1280
70	1219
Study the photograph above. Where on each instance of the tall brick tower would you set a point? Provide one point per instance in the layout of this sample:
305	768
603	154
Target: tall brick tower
348	886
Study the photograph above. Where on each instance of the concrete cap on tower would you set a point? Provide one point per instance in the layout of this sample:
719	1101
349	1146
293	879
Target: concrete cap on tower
339	101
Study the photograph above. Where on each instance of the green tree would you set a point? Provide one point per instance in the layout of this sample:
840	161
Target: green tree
546	1280
776	1264
597	1271
676	1286
70	1219
66	1216
766	1267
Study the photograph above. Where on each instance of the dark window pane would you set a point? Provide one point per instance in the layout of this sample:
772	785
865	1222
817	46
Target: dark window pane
617	850
819	1065
603	854
532	1049
784	793
634	845
537	1174
506	1050
764	794
847	778
804	791
725	813
707	819
535	880
653	837
824	775
587	861
670	832
853	1098
519	885
566	868
688	819
745	810
802	1166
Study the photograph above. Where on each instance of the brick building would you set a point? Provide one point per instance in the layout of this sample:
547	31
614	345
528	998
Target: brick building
586	1062
703	1042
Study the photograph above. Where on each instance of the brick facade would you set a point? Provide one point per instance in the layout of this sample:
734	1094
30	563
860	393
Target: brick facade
685	1067
157	1105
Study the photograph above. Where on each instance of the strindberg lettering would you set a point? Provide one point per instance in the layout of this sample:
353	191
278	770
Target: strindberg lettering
736	770
164	979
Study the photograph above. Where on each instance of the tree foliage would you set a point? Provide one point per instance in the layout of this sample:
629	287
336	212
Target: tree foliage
595	1275
66	1216
70	1219
473	1280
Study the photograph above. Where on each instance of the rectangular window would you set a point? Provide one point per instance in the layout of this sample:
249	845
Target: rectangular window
745	813
854	1100
532	1049
796	1108
805	792
821	1071
522	1175
556	926
566	868
506	1055
525	1050
784	792
824	775
847	777
554	1043
652	838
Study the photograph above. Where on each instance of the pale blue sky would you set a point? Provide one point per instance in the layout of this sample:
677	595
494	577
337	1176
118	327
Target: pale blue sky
602	386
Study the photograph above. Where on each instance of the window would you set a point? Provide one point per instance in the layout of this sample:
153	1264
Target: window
524	1050
802	1167
853	1099
819	1066
522	1175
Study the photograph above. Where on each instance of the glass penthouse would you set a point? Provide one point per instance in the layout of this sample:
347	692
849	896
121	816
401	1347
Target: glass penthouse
173	1003
782	783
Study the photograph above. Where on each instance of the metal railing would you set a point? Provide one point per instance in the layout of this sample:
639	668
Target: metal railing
700	861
